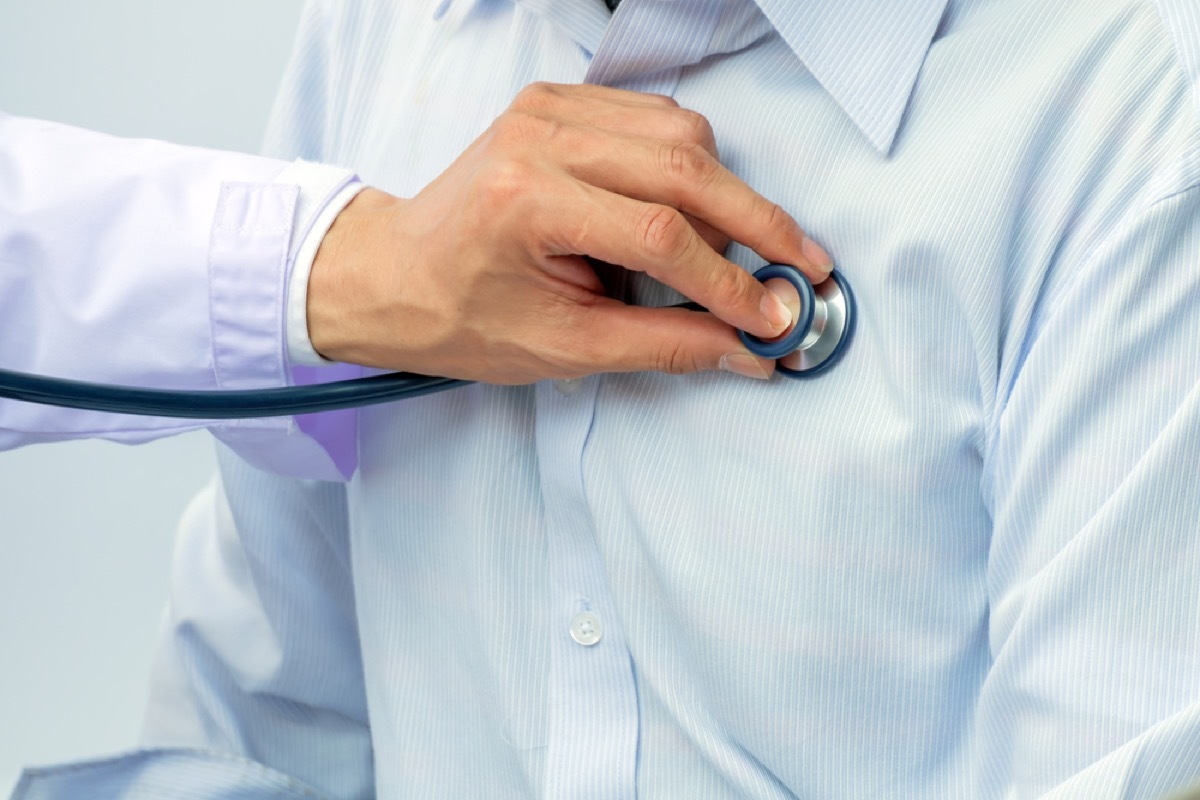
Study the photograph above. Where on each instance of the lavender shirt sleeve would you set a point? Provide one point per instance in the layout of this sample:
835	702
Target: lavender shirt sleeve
144	263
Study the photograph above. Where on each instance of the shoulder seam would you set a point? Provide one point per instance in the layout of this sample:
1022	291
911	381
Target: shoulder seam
1122	226
1182	20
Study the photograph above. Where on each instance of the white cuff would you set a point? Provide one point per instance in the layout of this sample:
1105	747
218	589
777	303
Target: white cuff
324	192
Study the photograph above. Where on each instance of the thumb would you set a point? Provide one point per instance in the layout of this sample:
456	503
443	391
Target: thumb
624	338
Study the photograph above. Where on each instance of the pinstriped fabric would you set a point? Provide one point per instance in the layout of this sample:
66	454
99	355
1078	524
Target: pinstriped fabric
586	23
592	734
182	773
871	76
960	565
301	107
1184	20
665	41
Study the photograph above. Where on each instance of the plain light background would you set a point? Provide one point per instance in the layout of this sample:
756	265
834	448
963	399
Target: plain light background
86	528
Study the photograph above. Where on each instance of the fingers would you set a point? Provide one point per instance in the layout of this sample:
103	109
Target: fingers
658	240
648	148
621	338
688	177
621	112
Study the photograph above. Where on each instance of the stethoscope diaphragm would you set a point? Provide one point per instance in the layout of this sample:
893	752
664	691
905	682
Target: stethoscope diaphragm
822	330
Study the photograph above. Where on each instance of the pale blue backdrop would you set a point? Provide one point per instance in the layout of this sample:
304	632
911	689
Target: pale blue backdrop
86	528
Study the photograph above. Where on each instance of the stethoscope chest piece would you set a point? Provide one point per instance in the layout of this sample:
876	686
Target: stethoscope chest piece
821	332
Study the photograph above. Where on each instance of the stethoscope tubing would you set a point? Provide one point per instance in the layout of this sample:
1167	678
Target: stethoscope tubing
236	404
387	388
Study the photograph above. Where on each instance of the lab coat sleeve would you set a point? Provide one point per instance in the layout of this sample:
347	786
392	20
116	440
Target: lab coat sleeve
257	687
1094	569
149	264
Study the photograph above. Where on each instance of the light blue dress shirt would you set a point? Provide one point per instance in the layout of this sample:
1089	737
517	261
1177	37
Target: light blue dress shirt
962	564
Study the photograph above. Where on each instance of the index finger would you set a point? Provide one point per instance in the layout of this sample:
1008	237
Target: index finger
658	240
686	176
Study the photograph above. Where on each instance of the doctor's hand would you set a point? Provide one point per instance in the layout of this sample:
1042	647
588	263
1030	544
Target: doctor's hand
483	274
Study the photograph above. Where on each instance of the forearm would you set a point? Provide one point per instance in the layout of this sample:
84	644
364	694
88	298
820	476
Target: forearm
144	263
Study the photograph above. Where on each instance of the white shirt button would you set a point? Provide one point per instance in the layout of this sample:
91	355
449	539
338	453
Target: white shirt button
586	628
568	385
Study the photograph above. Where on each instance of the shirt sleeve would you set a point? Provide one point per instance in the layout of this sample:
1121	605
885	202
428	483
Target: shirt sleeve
143	263
1094	689
325	192
257	687
284	685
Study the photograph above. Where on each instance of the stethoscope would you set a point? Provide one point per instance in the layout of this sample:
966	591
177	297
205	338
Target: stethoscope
814	343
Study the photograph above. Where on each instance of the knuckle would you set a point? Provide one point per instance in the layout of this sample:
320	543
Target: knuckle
734	287
663	230
690	163
517	129
509	128
675	359
776	225
663	99
777	220
696	127
537	96
503	182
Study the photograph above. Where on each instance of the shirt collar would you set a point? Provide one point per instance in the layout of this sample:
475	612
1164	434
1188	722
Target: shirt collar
865	53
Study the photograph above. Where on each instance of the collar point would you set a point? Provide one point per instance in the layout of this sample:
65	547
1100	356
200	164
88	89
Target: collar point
882	137
880	131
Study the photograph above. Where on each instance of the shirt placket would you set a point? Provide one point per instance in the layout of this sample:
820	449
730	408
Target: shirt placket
592	718
593	714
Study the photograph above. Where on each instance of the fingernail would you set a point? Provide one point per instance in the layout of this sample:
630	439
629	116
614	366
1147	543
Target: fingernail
775	311
744	364
816	255
787	294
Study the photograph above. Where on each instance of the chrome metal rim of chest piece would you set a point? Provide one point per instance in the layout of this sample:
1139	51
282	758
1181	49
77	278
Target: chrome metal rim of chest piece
823	328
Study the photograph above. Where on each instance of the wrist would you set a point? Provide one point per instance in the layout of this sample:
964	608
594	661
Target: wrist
336	292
